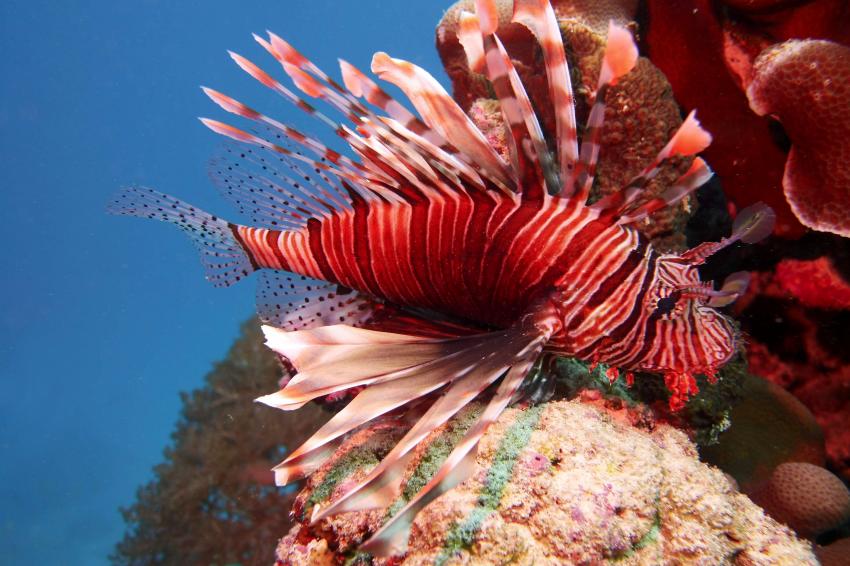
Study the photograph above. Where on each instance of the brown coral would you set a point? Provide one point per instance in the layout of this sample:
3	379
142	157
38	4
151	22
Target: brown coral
769	427
808	498
641	113
563	483
836	554
806	84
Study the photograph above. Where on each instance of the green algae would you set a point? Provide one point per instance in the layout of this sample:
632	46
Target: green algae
356	459
462	534
436	453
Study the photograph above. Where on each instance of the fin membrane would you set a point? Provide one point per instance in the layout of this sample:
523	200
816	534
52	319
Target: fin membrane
224	259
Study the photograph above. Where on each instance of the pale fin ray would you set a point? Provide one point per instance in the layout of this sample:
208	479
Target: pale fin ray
383	482
443	114
392	538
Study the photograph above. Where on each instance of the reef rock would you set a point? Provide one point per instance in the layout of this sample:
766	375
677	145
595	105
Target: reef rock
564	482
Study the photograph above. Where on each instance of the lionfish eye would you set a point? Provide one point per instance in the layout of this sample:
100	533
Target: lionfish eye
666	305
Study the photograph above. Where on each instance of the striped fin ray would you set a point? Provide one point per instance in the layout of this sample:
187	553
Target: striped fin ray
689	139
383	483
267	80
408	127
619	58
360	85
531	156
297	66
697	175
442	113
751	225
385	146
539	17
272	189
396	369
370	184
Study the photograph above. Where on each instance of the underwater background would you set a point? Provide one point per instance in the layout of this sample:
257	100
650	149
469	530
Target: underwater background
104	320
116	356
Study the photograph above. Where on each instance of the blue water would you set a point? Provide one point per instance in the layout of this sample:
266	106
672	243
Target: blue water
104	320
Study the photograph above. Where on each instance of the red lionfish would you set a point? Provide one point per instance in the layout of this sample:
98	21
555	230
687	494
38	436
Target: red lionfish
371	261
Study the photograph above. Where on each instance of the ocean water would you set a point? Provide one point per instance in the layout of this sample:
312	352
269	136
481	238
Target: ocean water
105	319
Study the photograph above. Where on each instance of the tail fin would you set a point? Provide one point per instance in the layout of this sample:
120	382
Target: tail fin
225	260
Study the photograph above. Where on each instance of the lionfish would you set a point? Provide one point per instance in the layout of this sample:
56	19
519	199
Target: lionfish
430	267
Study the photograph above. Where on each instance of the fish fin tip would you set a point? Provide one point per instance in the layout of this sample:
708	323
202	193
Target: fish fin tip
621	53
224	258
754	223
691	138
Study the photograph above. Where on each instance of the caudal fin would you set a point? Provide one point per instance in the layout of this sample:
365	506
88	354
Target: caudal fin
224	259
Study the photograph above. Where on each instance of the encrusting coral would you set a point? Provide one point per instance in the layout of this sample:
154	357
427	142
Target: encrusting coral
808	498
835	554
814	283
769	427
794	319
563	482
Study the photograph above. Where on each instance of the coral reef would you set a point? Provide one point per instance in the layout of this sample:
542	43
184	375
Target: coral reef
563	482
641	112
814	283
835	554
806	85
807	498
769	427
211	501
716	60
796	323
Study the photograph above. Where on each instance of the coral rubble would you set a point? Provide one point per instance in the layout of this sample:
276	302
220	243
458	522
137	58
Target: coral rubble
563	482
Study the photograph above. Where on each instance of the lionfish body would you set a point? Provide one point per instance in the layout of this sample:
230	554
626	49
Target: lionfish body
430	267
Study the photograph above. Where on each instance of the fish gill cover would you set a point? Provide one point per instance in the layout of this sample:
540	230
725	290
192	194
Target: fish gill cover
451	254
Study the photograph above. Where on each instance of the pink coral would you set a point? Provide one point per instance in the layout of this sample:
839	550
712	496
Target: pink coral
814	283
716	59
808	498
806	84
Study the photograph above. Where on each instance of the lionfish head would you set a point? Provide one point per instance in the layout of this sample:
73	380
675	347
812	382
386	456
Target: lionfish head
685	334
688	334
